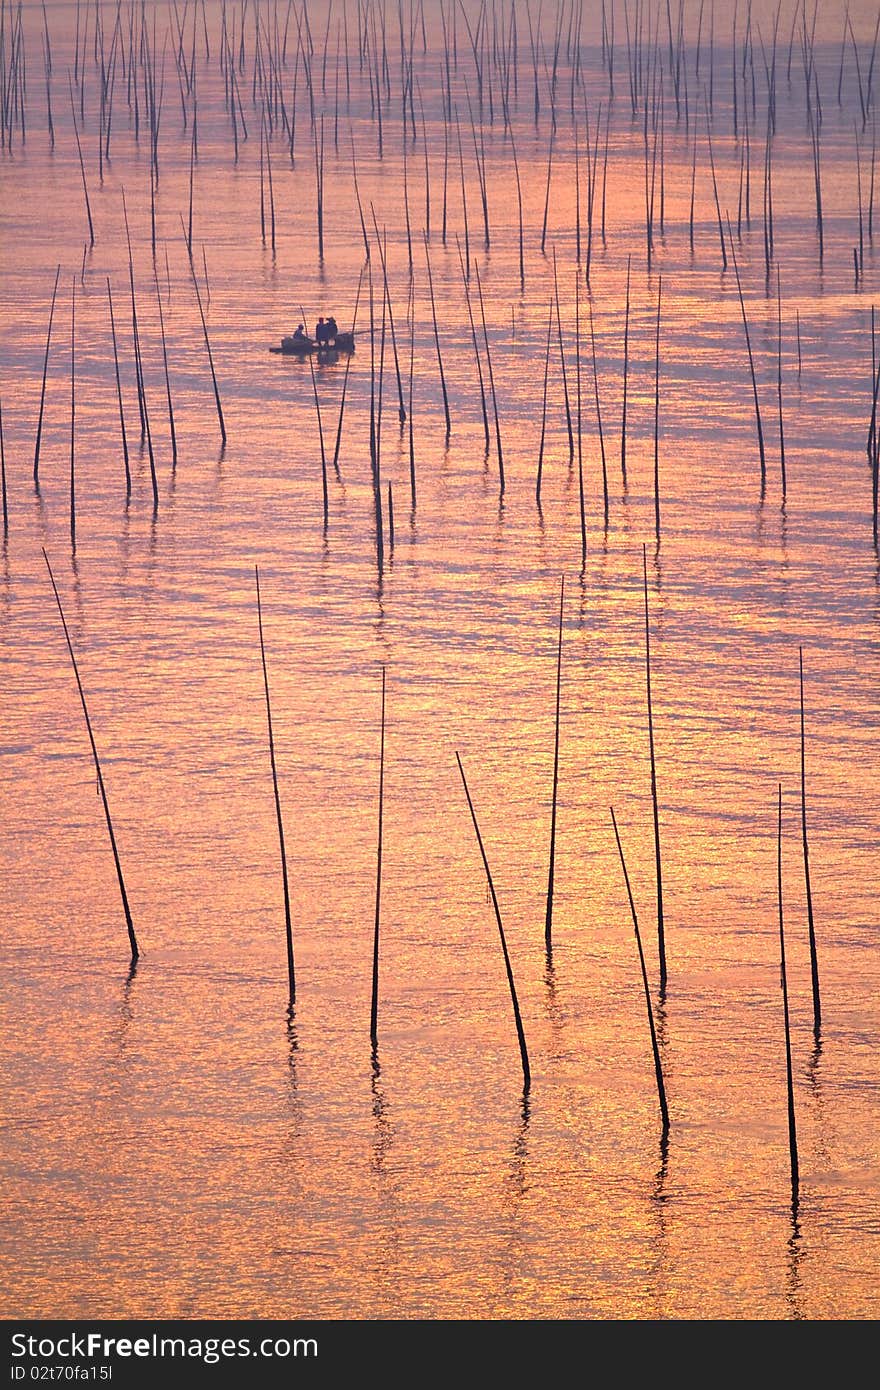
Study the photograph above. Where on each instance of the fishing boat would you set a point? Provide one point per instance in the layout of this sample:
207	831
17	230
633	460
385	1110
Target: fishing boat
292	346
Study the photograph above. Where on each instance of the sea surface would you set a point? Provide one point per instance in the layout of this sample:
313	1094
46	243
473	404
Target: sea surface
177	1142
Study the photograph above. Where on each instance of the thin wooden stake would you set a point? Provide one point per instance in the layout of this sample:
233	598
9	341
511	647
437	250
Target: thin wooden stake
82	167
548	919
658	1065
599	414
345	378
540	471
661	935
135	953
814	960
657	416
412	446
326	496
562	363
73	413
547	193
119	394
625	378
578	401
523	1051
742	305
43	386
401	409
167	376
374	1004
792	1128
3	478
437	341
319	190
467	300
491	384
779	381
208	348
271	194
291	973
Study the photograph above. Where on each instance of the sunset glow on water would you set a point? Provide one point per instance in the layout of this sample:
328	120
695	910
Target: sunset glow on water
176	1143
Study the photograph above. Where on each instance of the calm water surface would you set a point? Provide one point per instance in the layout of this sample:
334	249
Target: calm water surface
174	1145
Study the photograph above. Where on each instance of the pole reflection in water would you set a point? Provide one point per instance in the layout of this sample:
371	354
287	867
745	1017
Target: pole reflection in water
387	1227
659	1270
186	1099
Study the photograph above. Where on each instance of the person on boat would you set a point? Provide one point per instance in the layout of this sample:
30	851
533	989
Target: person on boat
300	336
321	334
332	329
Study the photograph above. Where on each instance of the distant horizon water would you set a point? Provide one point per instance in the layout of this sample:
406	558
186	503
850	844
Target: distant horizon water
534	189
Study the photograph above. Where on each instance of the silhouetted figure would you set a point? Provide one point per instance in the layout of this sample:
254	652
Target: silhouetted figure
332	330
321	334
299	336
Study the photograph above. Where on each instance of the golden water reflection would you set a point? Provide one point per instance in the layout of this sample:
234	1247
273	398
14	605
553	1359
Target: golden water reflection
176	1143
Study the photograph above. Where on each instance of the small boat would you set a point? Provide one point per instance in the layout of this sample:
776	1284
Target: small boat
303	347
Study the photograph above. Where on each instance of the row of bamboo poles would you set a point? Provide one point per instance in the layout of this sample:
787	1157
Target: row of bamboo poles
382	327
716	94
257	50
663	977
482	50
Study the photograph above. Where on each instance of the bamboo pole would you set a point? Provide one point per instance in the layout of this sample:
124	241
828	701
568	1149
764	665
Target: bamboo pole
658	1065
345	377
291	973
657	416
792	1127
491	383
779	381
374	431
540	470
135	953
3	479
73	413
523	1051
580	433
599	413
401	409
625	378
548	918
742	305
814	960
210	354
562	363
437	341
82	168
658	863
473	328
412	446
374	1002
43	385
325	493
171	427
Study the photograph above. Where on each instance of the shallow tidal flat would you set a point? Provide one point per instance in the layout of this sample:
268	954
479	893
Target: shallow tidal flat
611	276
